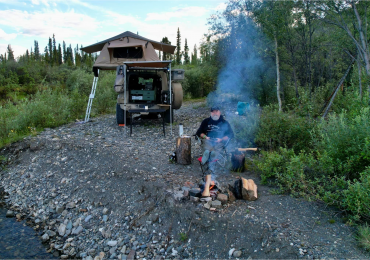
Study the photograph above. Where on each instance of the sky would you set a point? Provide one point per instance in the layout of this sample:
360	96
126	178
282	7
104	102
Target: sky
86	22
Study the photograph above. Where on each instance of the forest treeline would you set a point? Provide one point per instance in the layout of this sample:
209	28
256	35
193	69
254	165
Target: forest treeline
285	58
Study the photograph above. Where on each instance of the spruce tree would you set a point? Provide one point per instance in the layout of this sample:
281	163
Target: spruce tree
55	54
37	50
165	55
10	53
46	55
186	52
50	49
64	52
194	56
60	59
178	47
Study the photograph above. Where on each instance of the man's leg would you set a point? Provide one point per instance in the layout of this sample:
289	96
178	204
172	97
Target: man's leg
207	147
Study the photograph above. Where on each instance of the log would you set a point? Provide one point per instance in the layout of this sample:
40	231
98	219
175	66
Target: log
206	192
183	150
247	149
249	189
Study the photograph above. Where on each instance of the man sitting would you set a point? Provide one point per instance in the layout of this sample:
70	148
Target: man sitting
215	132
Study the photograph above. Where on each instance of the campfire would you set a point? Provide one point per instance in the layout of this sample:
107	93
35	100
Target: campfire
214	196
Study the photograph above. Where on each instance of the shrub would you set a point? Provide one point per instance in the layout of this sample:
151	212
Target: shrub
346	141
283	129
364	236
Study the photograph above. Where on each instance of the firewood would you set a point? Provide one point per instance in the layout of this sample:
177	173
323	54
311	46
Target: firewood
249	189
247	149
183	150
206	192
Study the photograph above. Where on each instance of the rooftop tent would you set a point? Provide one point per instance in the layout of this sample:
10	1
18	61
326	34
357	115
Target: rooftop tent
126	47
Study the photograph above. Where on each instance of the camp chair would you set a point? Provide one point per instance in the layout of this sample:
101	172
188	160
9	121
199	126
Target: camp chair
221	157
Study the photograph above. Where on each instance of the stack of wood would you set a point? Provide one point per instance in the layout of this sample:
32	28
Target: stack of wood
244	189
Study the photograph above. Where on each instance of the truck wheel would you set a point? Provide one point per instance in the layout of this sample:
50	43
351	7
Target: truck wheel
177	95
167	117
120	116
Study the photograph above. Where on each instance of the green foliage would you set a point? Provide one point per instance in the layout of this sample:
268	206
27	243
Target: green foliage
363	236
199	80
288	130
245	126
183	237
346	141
335	171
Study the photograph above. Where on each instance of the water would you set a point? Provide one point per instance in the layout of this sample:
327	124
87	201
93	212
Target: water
17	240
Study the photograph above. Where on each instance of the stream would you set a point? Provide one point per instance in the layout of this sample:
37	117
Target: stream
19	241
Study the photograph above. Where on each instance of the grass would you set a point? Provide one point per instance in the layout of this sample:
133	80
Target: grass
363	236
183	237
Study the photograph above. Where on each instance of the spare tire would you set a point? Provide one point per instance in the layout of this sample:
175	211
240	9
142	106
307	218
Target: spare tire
177	95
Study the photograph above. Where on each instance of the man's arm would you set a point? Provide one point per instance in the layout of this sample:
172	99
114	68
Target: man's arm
202	130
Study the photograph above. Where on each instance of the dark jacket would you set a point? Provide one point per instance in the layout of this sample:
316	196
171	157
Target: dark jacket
215	129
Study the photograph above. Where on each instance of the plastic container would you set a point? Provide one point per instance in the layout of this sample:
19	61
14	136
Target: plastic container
177	74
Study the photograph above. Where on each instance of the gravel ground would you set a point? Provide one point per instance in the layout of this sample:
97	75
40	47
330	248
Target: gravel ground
94	192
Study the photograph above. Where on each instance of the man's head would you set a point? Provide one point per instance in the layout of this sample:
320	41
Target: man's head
215	113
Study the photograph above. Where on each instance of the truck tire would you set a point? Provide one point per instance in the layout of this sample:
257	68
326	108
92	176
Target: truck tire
120	116
167	117
177	95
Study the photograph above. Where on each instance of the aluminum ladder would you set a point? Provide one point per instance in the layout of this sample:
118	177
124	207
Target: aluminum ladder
91	97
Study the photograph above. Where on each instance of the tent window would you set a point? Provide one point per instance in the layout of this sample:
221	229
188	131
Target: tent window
128	52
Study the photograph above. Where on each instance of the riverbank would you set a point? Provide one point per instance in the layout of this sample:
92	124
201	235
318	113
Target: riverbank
91	190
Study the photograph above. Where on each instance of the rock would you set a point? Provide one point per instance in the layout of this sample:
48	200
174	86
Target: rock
76	223
77	230
51	233
195	192
70	205
231	196
123	250
89	258
64	256
64	213
207	205
18	216
62	229
105	211
59	209
231	251
131	255
112	243
69	225
88	218
9	214
216	204
223	198
194	199
45	237
237	253
105	218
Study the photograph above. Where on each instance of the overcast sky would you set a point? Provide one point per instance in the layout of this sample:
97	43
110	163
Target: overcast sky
89	21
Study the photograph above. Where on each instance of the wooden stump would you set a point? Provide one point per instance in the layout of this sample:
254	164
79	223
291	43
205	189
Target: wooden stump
183	150
249	189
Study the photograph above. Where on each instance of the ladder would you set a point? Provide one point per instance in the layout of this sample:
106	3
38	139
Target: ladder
91	97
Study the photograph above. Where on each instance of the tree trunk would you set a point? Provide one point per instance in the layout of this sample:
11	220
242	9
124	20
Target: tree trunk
359	75
183	150
277	74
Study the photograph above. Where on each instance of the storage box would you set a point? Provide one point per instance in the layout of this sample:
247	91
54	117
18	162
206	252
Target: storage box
177	74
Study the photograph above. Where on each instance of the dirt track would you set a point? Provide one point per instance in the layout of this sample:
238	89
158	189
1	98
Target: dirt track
95	190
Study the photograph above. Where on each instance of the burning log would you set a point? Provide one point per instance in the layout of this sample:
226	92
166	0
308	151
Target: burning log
183	150
249	189
207	185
